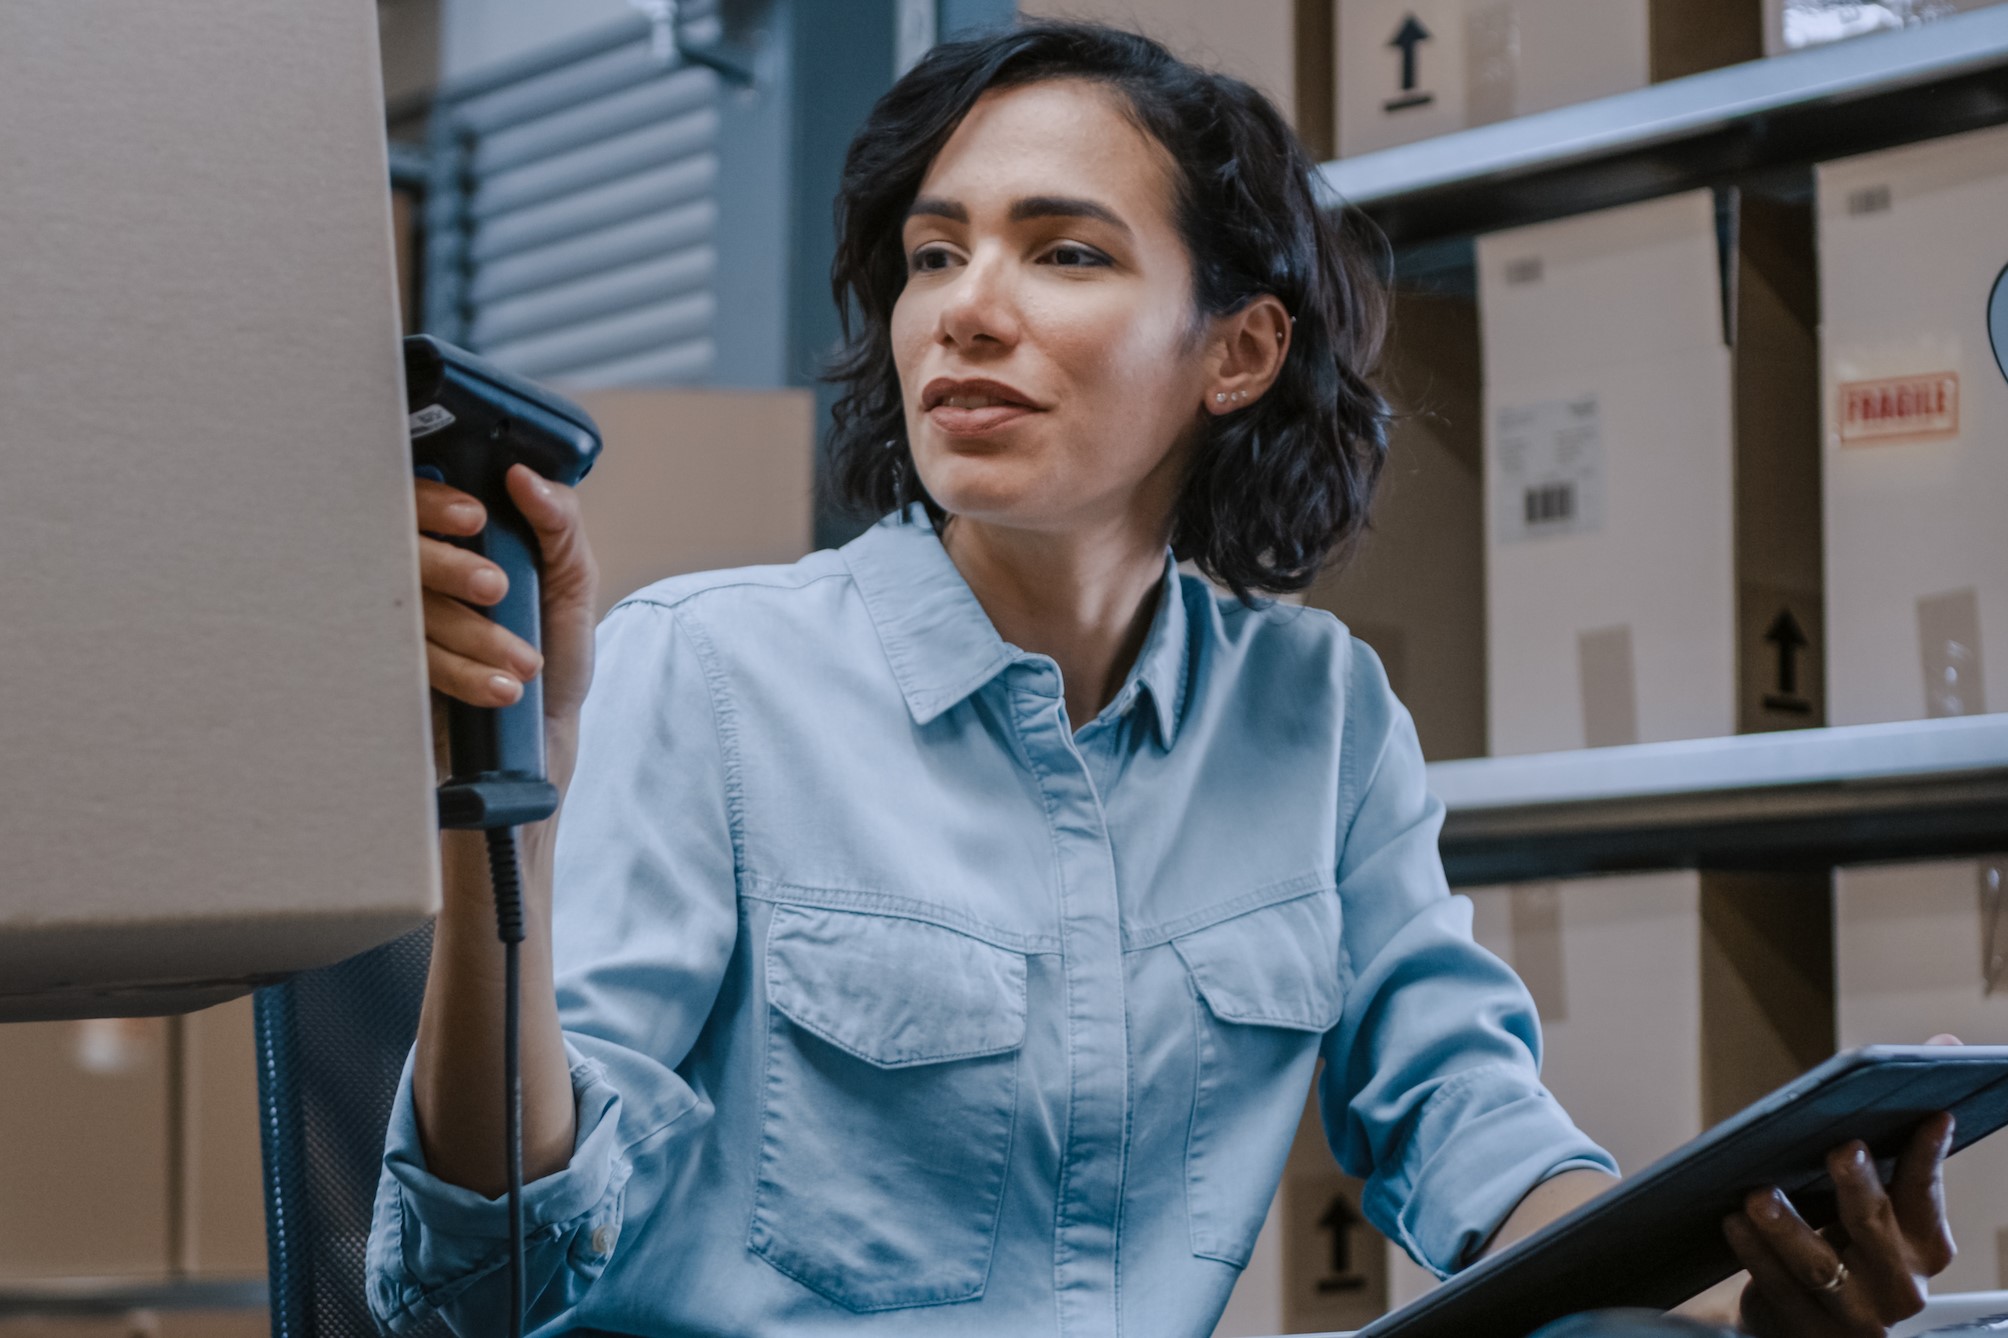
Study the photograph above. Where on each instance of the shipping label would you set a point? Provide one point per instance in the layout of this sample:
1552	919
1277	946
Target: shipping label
1899	408
1549	477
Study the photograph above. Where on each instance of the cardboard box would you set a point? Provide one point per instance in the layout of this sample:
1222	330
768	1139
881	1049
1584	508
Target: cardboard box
1318	1265
1415	588
1790	25
214	657
1724	981
692	480
1411	69
1922	949
85	1125
1253	40
1915	412
1651	519
219	1195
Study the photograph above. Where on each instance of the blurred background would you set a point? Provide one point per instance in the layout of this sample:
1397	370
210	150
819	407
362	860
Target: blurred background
1702	457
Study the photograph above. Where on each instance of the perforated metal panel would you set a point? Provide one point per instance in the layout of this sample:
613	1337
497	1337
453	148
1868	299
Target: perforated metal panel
331	1048
572	211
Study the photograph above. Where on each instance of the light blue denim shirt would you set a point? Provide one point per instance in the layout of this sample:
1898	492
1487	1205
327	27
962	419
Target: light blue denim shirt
897	1006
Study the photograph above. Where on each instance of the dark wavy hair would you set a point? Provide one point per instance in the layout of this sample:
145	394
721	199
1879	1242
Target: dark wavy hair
1273	491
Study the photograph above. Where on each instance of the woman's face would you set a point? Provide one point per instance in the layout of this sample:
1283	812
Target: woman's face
1042	336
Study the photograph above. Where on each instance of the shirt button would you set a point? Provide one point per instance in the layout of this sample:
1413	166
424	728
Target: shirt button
603	1238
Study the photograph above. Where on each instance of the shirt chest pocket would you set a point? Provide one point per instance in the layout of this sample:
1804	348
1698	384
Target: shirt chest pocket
889	1099
1266	986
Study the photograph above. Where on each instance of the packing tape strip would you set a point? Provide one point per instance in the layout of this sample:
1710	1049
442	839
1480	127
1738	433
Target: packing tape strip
1609	686
1491	63
1534	919
1948	638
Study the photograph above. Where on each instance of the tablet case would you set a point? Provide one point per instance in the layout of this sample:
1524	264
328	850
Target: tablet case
1656	1239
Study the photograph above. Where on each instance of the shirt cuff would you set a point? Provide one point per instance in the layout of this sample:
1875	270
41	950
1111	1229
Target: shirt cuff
559	1197
1493	1139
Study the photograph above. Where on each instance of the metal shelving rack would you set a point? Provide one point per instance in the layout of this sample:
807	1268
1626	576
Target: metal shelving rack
1704	130
1807	798
1804	799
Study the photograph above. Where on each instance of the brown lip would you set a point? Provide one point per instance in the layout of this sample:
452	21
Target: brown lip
942	387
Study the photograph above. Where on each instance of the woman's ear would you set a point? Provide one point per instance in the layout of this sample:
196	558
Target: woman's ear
1249	347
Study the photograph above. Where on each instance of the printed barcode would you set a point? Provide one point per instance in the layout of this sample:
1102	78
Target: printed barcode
1550	503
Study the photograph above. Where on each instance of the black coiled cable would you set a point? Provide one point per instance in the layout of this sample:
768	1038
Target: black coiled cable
508	885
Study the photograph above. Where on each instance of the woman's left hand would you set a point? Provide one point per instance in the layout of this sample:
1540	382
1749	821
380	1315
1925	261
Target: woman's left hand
1868	1271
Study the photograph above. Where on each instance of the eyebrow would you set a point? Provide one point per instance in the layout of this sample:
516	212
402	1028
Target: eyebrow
1031	206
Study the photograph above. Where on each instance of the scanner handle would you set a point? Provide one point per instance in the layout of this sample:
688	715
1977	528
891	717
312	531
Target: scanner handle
497	753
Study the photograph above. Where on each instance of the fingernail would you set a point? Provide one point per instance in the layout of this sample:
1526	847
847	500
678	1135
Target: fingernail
488	583
1771	1206
537	482
463	513
506	686
1858	1156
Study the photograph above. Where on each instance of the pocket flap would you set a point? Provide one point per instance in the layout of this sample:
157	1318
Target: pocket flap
1278	966
894	991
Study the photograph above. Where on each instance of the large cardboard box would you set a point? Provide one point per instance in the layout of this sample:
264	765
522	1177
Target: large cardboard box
1318	1265
1410	69
84	1182
1415	588
1652	515
1922	949
1914	473
1254	40
1668	1001
214	656
218	1198
692	480
1791	25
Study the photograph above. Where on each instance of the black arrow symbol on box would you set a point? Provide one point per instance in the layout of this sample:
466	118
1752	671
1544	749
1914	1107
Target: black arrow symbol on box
1411	35
1786	634
1340	1219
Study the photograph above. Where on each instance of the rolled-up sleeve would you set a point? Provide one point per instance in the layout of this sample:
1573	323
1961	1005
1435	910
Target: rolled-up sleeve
1431	1089
644	920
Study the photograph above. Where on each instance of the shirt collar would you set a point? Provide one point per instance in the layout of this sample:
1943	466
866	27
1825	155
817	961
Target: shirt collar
942	646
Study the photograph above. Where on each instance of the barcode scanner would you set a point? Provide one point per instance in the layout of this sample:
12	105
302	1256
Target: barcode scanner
470	422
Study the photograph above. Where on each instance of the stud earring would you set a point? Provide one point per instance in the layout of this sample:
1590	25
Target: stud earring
1220	397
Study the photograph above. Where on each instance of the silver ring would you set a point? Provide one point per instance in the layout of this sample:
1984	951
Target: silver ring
1836	1282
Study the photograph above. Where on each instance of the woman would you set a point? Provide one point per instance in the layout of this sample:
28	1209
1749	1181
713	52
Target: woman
948	927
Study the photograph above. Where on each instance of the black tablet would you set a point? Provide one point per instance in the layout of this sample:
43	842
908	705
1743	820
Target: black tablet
1656	1238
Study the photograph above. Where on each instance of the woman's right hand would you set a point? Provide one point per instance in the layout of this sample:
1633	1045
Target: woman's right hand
475	660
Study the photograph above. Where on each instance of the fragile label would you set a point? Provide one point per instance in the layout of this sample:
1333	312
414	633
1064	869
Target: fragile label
1550	474
1899	408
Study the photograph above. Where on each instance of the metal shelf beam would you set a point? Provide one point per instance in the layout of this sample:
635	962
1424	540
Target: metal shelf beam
1799	799
118	1296
1825	102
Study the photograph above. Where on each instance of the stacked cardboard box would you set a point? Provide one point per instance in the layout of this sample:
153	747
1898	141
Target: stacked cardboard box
692	480
85	1181
1318	1266
1410	69
1415	588
1652	528
1917	587
1653	573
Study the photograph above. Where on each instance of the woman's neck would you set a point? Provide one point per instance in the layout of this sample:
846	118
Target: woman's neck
1085	598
